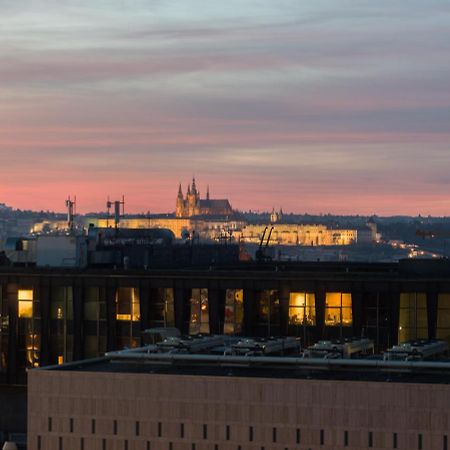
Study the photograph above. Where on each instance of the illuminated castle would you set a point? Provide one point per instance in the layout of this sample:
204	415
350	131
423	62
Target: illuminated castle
192	205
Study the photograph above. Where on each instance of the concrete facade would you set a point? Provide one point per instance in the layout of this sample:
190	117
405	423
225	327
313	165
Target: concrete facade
72	409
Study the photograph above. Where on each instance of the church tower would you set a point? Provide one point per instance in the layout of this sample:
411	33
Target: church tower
179	211
193	200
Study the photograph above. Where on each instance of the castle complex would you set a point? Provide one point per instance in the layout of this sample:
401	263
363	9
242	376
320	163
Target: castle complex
192	205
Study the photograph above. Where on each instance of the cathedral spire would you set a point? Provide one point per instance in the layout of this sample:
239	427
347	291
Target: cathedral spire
194	187
207	192
188	190
180	192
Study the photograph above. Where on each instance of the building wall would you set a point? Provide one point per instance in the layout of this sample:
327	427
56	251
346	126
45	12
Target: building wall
292	234
170	412
51	315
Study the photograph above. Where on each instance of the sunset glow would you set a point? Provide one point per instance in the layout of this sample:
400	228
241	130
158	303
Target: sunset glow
309	106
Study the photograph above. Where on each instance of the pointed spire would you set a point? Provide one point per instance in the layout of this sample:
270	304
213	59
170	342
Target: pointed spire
194	188
188	190
180	192
207	192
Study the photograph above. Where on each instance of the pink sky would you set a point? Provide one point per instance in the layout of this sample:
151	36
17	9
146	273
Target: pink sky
307	107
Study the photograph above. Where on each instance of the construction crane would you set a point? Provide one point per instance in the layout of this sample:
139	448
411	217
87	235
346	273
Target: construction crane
261	255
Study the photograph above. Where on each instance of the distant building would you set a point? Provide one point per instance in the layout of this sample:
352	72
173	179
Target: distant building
276	216
296	234
192	205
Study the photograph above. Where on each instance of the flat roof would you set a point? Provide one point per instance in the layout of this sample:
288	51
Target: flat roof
359	370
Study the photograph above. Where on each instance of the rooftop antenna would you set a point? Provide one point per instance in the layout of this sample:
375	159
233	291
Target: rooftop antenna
71	211
119	210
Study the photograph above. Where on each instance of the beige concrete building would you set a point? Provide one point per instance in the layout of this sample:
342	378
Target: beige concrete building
118	405
296	234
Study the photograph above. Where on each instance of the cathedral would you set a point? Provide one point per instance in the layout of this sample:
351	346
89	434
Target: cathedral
192	205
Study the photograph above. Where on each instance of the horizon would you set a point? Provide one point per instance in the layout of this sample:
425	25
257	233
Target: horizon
308	106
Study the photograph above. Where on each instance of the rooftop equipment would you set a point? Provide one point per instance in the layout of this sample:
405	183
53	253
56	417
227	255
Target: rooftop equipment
71	211
190	344
345	348
271	346
420	350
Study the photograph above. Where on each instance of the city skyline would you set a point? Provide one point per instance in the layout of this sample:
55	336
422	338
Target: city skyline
318	107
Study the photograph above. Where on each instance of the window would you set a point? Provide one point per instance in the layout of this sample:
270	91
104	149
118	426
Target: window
250	434
199	322
205	431
170	446
94	321
25	298
419	441
298	436
71	425
60	443
49	422
322	437
93	426
444	443
159	429
234	311
137	430
81	443
39	443
103	444
149	445
302	308
125	445
413	321
161	308
227	433
443	318
115	427
338	309
370	439
345	438
182	430
394	440
127	304
274	435
193	447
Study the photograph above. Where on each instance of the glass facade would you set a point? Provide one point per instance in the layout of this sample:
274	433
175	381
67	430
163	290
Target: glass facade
302	308
61	325
268	319
128	317
199	321
443	317
29	327
94	322
338	309
413	320
234	311
4	331
162	308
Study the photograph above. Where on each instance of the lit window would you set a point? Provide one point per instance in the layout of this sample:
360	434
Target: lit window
234	311
199	322
127	304
338	309
302	309
25	297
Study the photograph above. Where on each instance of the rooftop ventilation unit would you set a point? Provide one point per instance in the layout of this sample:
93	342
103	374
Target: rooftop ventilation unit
346	348
419	350
269	346
190	344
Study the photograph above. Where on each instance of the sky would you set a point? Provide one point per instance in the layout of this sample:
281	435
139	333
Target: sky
318	106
